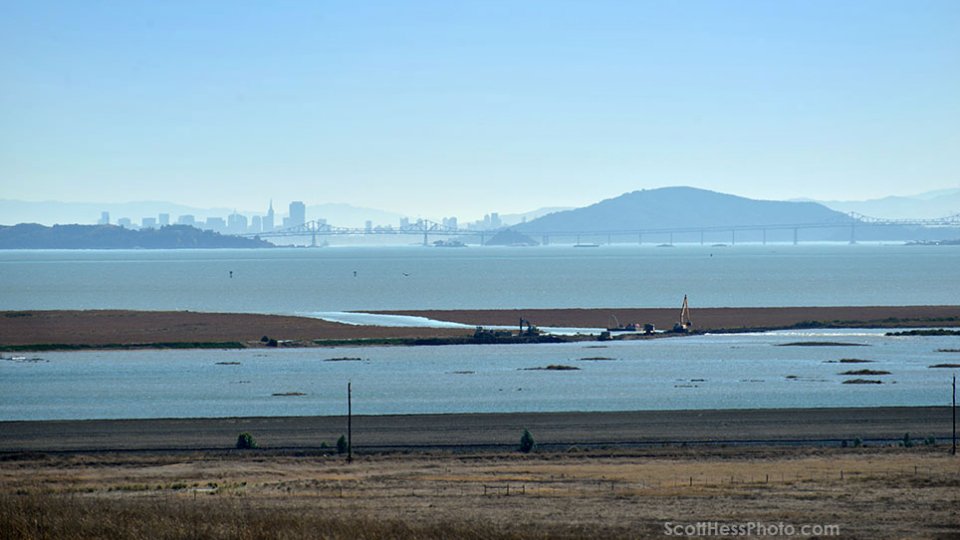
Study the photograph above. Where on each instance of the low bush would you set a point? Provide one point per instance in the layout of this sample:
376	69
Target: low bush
246	441
527	443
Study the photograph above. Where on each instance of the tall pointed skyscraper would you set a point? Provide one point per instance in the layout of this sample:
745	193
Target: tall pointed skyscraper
268	220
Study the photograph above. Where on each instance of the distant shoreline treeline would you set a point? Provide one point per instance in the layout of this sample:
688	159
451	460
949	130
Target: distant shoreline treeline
34	236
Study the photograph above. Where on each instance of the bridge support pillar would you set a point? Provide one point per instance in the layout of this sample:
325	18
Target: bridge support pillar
795	236
640	239
764	237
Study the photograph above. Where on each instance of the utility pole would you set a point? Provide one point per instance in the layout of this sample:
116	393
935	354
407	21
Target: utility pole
349	424
953	450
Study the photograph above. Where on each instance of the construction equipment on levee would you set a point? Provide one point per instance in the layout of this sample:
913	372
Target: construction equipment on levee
683	326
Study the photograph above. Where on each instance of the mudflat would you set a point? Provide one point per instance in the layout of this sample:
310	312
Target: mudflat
103	327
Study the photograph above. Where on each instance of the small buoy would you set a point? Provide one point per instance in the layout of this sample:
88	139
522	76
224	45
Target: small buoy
231	274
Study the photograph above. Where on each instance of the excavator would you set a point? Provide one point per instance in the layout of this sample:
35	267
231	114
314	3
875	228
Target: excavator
684	325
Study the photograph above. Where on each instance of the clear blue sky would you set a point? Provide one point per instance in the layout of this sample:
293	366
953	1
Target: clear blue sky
463	107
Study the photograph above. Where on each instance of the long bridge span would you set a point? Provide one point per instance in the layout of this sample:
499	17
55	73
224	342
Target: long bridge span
427	229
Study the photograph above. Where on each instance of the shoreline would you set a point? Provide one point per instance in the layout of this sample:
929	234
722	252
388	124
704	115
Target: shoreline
31	330
458	432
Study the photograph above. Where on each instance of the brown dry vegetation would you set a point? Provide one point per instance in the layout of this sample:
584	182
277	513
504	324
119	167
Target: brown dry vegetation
868	492
138	327
131	327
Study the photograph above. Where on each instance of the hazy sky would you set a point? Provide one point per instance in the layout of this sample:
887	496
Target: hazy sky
464	107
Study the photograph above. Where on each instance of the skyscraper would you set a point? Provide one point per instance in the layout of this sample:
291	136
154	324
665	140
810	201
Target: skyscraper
236	223
268	219
298	213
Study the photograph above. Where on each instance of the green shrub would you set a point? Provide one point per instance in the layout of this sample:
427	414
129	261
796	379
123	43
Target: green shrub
907	441
342	445
527	443
246	441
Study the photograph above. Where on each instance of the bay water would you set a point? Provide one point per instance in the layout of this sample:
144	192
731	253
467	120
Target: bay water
697	372
710	371
291	281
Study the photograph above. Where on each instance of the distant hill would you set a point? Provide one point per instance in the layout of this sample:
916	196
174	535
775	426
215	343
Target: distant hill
345	215
936	204
678	207
510	237
513	219
34	236
691	208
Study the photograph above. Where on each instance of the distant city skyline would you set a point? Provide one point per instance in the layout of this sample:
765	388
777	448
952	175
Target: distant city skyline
925	205
476	106
247	222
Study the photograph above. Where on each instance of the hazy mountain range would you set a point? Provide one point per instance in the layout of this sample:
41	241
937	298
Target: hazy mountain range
934	204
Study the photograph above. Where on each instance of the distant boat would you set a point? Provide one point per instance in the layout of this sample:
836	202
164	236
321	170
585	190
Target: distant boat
586	245
632	327
449	243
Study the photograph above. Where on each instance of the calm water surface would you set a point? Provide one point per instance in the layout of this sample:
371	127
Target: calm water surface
315	280
700	372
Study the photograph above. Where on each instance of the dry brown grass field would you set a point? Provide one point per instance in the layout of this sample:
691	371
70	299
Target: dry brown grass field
884	492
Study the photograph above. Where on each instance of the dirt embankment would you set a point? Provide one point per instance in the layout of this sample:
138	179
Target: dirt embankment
708	318
489	430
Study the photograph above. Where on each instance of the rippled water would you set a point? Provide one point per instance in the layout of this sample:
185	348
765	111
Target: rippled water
699	372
